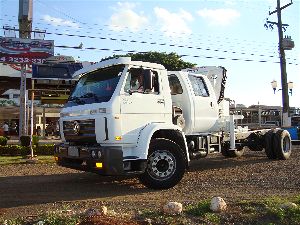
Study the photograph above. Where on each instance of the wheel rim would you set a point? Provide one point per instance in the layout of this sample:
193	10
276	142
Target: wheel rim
161	165
286	144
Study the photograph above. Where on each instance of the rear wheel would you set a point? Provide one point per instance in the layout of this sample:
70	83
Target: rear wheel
225	149
269	143
282	144
238	152
166	165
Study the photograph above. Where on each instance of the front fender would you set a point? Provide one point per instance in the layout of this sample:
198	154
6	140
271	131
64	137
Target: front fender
147	132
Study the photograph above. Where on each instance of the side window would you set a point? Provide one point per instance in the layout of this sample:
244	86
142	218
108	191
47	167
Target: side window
199	86
175	85
135	82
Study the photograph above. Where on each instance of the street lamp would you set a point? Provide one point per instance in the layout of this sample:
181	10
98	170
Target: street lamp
290	86
274	85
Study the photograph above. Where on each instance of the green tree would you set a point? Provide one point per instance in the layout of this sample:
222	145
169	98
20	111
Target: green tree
171	61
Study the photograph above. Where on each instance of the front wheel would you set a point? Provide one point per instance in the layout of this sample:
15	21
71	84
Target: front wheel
166	165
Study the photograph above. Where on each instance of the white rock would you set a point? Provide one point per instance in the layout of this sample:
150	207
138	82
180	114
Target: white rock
288	205
40	222
217	204
103	210
172	208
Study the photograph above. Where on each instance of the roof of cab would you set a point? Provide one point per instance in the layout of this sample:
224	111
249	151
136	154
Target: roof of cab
115	61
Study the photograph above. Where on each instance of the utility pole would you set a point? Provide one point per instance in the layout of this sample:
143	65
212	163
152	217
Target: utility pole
25	25
285	96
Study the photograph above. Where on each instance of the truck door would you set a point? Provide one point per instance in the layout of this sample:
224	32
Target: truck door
205	104
140	107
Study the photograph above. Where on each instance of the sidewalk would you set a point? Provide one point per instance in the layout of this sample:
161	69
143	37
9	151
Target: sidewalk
14	140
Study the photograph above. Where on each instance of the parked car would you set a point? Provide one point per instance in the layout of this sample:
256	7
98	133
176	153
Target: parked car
271	124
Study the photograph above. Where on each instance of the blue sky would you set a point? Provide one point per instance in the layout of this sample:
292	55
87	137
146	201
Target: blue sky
227	33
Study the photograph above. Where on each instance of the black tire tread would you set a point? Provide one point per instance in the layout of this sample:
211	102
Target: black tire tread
269	149
165	144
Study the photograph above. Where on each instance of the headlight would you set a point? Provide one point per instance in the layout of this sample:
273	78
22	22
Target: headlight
99	154
93	154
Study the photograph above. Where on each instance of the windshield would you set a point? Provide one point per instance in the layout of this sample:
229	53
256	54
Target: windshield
97	86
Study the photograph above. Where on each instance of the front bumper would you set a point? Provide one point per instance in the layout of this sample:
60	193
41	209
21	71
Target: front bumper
96	158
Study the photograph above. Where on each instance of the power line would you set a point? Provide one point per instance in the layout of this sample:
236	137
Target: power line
155	43
181	55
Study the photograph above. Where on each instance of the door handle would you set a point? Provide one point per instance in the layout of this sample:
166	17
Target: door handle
160	101
211	104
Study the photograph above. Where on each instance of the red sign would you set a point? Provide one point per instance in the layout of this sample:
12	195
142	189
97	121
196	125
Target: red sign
17	50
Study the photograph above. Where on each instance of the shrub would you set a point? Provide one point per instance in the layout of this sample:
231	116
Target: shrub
35	140
15	150
47	149
25	140
3	141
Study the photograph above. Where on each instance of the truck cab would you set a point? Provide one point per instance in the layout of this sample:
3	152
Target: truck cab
119	107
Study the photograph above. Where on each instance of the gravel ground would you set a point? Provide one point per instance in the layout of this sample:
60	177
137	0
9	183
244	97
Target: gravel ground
29	189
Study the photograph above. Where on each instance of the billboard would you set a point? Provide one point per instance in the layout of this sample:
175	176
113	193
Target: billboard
19	50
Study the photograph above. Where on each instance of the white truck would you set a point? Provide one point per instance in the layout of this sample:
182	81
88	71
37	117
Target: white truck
129	117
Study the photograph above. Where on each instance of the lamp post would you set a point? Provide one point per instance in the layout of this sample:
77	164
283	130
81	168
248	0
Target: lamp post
290	86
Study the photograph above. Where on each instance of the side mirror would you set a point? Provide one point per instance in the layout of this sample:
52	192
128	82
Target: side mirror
148	82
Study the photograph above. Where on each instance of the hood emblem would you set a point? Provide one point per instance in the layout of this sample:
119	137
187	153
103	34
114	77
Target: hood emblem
76	127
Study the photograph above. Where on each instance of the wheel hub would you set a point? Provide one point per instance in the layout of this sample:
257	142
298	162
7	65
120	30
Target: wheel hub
161	164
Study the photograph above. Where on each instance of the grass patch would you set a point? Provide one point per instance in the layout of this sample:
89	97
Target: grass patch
51	218
199	209
270	211
288	215
202	209
158	217
58	218
8	160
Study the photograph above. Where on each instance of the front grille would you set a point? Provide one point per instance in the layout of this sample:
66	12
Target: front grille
80	131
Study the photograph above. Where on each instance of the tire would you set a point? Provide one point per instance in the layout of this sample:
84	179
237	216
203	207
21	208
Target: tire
269	143
255	142
225	149
238	152
165	166
282	144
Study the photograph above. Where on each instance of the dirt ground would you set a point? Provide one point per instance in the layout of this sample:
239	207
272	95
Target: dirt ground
28	189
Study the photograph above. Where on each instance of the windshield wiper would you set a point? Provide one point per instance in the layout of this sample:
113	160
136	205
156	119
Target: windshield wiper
76	100
90	95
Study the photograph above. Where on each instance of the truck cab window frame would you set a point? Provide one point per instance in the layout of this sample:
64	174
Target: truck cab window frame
199	86
175	85
135	82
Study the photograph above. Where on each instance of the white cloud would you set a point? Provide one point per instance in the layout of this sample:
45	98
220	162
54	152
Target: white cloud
173	24
221	17
60	22
125	17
